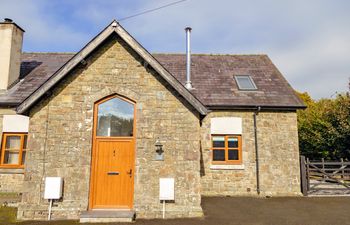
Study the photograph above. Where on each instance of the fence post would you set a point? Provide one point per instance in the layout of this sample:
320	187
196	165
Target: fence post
324	177
308	173
303	177
343	170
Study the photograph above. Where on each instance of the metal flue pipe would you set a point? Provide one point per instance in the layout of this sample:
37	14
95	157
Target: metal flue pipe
188	83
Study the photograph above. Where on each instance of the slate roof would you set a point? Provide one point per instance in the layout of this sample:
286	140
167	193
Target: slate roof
214	85
211	75
36	68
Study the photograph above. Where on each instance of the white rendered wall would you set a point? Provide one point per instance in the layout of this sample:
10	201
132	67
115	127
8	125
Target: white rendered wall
15	123
226	125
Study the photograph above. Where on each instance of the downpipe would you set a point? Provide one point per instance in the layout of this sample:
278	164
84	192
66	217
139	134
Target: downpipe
257	150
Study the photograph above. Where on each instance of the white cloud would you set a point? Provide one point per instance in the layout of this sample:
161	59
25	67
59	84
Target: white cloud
41	26
319	63
307	40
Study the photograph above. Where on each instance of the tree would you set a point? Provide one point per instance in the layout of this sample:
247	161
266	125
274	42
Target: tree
324	127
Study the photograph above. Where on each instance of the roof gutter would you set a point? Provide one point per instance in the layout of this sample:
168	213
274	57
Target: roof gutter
9	104
254	107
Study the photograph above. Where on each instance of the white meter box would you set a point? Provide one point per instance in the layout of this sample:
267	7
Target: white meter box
53	187
166	189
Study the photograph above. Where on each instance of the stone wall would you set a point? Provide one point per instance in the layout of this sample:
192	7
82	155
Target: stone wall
278	157
11	180
60	137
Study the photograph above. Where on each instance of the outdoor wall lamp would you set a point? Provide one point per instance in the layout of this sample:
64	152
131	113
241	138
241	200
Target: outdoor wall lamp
159	150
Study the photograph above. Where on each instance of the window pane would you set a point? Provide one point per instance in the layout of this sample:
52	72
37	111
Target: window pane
25	142
13	142
218	155
11	157
233	155
233	142
245	82
115	118
23	157
218	142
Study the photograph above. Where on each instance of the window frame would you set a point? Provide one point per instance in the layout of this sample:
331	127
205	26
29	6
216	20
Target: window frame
21	150
254	88
226	149
96	111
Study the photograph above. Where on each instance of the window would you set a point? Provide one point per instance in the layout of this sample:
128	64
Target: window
226	149
245	82
13	150
115	118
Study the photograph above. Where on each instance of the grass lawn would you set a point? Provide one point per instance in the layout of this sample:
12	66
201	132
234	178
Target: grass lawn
241	211
7	215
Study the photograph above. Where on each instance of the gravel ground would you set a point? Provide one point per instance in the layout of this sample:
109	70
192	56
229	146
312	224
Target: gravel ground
333	188
247	211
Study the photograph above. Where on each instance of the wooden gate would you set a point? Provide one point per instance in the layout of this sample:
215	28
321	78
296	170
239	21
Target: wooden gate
324	177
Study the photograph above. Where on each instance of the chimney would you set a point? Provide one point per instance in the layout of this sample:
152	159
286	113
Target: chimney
11	37
188	83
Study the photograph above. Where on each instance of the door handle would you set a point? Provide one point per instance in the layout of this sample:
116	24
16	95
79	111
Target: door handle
129	173
113	173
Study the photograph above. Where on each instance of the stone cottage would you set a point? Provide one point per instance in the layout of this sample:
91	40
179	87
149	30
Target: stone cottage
112	119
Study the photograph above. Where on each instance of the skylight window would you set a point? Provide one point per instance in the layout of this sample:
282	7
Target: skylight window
245	82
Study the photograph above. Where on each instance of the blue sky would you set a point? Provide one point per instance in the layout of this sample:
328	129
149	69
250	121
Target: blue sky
309	41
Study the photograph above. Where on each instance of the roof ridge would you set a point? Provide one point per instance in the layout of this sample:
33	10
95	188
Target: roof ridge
164	53
209	54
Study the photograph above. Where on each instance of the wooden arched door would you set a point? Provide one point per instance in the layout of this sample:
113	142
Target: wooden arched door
113	154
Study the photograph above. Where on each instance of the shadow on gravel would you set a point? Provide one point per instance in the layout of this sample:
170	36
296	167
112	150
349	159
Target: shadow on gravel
246	211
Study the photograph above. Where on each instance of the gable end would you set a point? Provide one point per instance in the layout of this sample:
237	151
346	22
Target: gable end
114	27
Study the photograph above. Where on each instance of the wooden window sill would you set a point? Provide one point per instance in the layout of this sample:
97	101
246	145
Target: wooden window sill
11	170
227	167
